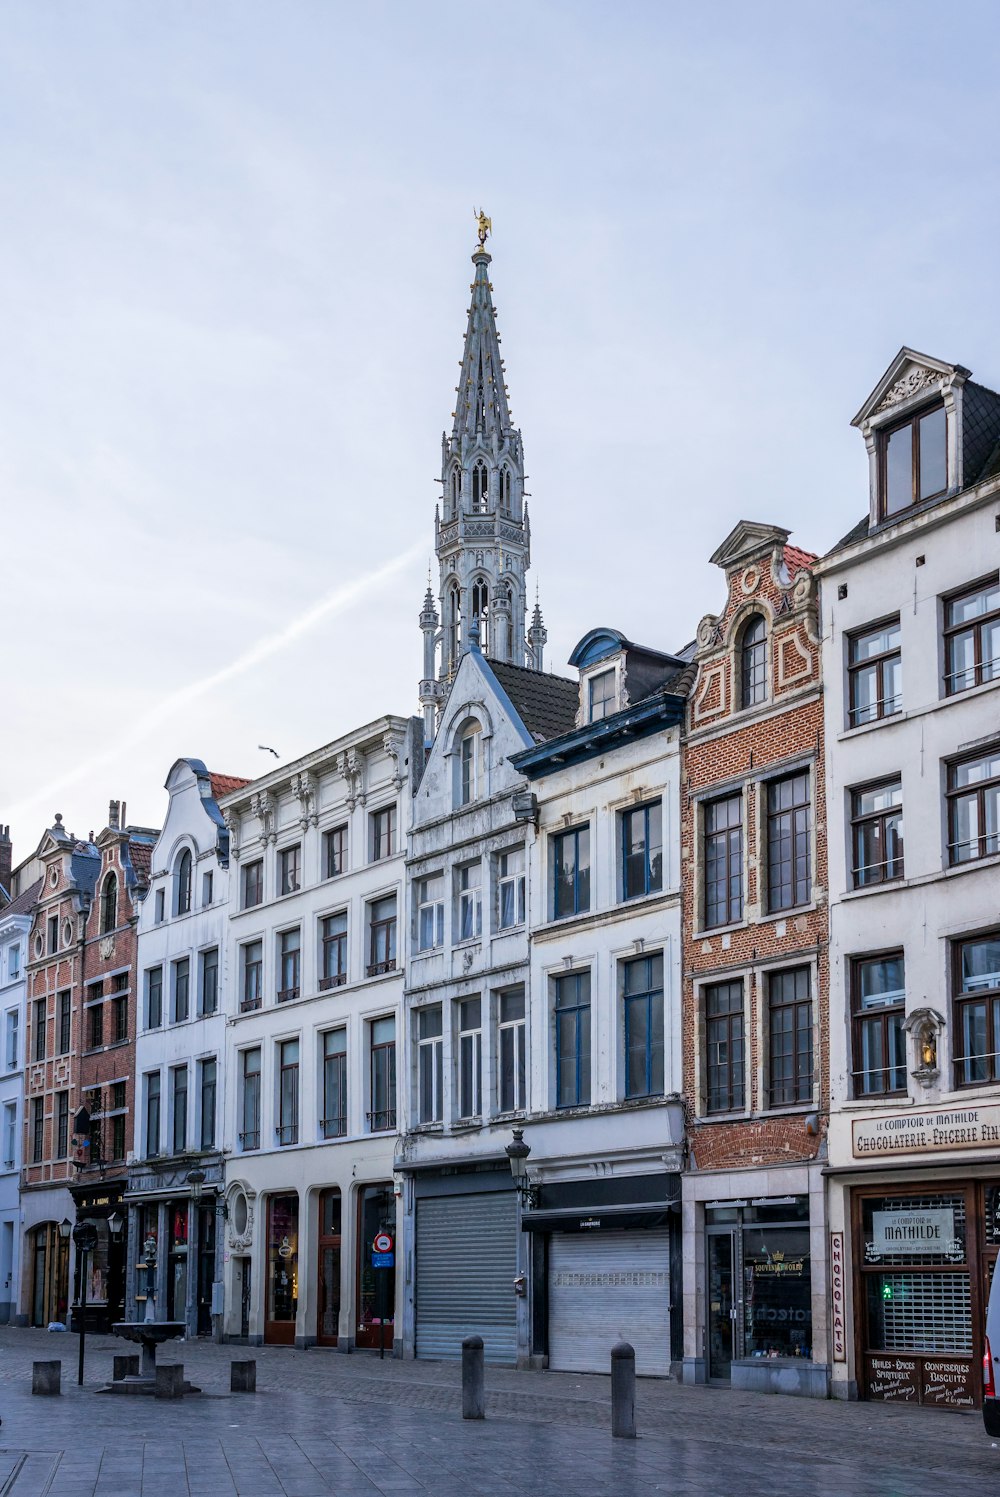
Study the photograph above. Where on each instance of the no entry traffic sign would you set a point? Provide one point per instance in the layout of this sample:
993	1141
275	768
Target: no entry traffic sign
382	1243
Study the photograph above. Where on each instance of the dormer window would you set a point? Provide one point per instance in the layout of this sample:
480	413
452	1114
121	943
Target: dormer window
603	698
913	460
753	662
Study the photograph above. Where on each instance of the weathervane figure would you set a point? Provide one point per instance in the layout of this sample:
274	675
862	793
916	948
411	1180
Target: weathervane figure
485	226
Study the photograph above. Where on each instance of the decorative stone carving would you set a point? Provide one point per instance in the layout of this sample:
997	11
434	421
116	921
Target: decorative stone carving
925	1025
750	581
304	786
239	1226
107	948
708	629
352	766
262	805
393	746
795	662
913	380
234	825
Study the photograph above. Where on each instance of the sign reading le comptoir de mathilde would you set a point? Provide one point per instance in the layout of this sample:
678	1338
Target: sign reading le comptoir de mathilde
919	1132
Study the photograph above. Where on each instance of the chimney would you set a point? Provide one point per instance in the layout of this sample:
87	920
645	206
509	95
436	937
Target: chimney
114	807
6	858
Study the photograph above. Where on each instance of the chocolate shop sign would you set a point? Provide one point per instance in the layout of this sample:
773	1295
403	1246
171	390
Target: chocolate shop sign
925	1132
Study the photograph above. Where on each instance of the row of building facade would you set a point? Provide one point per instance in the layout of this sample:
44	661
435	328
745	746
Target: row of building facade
657	921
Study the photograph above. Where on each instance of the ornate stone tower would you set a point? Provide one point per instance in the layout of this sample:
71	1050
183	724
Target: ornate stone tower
481	531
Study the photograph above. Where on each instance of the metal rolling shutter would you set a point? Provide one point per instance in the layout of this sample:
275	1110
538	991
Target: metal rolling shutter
465	1266
612	1286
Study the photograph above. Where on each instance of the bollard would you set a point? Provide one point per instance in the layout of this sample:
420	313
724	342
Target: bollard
243	1377
169	1380
46	1377
623	1391
473	1379
125	1367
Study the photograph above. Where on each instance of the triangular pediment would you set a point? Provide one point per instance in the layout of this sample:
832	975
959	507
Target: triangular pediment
747	540
910	374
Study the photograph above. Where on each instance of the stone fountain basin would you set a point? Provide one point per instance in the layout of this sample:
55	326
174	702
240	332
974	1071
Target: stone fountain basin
152	1331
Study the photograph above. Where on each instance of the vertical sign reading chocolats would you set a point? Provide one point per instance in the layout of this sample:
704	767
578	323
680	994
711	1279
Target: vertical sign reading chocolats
837	1289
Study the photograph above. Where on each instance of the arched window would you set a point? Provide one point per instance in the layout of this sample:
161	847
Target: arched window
753	662
452	614
470	765
456	490
109	903
505	490
480	489
480	611
182	884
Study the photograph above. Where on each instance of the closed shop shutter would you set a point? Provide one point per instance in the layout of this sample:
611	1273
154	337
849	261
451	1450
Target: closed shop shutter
465	1266
612	1286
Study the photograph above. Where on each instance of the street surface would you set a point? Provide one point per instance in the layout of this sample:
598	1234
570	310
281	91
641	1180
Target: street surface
326	1425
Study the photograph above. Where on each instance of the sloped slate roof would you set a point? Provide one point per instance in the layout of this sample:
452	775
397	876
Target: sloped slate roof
545	703
25	902
858	532
225	784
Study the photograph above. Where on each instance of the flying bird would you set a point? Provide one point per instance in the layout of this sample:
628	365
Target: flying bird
269	750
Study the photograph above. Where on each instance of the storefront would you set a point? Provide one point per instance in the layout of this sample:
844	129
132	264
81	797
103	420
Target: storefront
375	1326
106	1264
47	1264
282	1270
183	1219
465	1264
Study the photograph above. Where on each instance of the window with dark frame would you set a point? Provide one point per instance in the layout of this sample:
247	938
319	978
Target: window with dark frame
382	1046
208	981
333	1123
512	1079
333	951
288	1092
182	884
65	1023
642	850
572	1023
40	1022
152	1088
119	1013
109	903
290	869
207	1088
877	833
62	1125
253	883
250	1098
723	834
470	1057
642	1003
251	976
289	965
53	934
972	637
117	1137
570	857
159	902
790	1037
602	696
95	1026
180	981
335	851
725	1063
753	662
37	1129
430	1064
912	460
383	833
874	673
878	1008
976	1004
381	936
154	997
178	1107
789	840
973	797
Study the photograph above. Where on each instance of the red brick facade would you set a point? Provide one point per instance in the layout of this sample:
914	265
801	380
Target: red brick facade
734	750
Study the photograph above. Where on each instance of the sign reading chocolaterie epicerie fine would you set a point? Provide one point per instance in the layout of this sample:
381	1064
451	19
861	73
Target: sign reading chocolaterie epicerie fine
925	1132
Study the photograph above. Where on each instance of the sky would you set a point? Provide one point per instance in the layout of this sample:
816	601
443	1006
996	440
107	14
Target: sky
234	269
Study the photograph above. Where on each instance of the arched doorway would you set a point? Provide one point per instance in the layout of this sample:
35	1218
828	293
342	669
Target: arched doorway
49	1253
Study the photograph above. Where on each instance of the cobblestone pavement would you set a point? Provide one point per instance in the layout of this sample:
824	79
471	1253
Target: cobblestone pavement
325	1425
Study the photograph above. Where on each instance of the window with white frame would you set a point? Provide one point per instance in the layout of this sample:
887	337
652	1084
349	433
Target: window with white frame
470	900
180	989
289	965
382	1074
335	851
208	981
602	695
288	1092
151	1100
381	936
11	1026
249	1132
430	912
154	997
178	1107
9	1135
572	1027
470	754
333	950
511	1077
290	869
430	1064
642	1003
14	961
382	833
207	1089
510	888
333	1123
469	1016
251	976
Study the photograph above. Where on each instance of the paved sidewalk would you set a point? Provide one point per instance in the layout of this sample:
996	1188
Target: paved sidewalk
327	1425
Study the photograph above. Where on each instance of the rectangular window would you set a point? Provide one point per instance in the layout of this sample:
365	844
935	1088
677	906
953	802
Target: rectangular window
790	1027
289	953
570	856
151	1085
289	870
207	888
333	953
65	1009
725	1075
913	462
642	850
878	995
334	1120
154	997
470	901
430	1065
335	851
178	1107
430	912
470	755
602	695
250	1099
512	1076
207	1088
974	807
208	981
40	1026
95	1026
642	998
10	1135
874	673
382	1035
62	1125
972	637
469	1013
251	976
53	934
510	889
37	1129
724	861
118	1137
13	961
180	984
159	907
383	833
789	832
12	1023
288	1092
119	1014
877	833
381	936
977	1010
572	1022
253	883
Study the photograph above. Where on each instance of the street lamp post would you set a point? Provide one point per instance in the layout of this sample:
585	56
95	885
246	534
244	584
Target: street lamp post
85	1239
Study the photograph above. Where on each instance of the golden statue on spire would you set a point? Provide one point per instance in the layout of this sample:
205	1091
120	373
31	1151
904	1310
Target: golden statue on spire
485	226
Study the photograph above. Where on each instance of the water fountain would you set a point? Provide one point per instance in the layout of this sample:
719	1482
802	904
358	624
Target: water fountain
149	1332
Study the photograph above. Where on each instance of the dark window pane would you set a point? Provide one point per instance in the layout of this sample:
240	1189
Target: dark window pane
933	454
899	470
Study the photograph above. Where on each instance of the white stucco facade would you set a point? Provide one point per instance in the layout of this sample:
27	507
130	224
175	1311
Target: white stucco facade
14	928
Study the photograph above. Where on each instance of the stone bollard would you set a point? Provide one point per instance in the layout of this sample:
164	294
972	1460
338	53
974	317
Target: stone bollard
623	1391
473	1379
169	1380
243	1377
46	1377
125	1367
